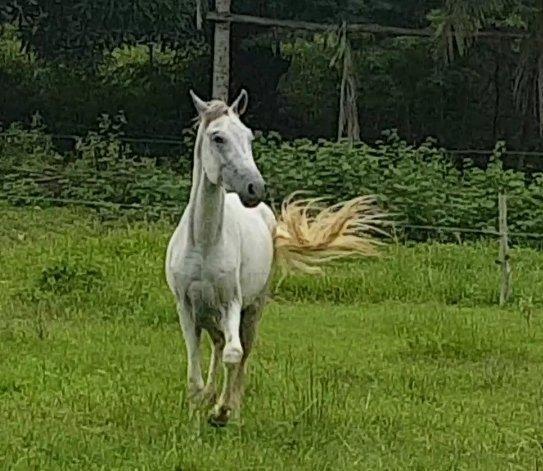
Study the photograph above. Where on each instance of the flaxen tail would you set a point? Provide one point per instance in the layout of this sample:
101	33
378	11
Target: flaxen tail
310	234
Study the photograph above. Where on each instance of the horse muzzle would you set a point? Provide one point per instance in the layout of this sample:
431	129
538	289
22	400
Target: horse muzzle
253	192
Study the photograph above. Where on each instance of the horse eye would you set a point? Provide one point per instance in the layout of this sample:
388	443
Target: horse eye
218	140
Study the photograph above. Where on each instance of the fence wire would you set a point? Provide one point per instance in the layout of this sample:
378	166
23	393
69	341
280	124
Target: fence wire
175	141
173	211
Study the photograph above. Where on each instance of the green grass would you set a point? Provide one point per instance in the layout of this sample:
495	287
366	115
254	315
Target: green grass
402	363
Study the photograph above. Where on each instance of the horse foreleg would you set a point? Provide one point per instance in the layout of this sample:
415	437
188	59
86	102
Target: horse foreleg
231	356
192	335
249	324
210	390
230	322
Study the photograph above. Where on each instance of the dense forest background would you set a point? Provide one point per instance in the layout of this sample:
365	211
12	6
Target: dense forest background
75	61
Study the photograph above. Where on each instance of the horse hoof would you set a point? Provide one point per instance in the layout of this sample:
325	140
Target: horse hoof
220	418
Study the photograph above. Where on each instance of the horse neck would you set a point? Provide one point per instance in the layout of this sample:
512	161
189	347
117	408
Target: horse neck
206	203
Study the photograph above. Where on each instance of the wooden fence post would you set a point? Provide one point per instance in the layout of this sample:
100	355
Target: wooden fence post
505	290
348	107
221	53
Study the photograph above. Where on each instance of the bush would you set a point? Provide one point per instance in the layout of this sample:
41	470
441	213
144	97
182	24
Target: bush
420	185
152	89
102	173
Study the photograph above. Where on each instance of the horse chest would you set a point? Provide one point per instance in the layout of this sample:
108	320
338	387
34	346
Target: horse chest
209	282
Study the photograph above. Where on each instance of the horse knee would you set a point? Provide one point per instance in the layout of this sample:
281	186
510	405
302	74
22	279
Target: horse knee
232	354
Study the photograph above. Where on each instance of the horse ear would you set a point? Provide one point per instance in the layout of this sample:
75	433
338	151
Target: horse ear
200	105
240	104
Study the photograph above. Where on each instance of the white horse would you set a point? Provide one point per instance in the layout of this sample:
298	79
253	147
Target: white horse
219	259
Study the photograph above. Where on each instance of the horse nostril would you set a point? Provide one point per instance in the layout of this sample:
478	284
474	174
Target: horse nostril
251	189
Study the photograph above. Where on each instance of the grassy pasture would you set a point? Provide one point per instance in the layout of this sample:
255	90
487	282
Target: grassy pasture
400	363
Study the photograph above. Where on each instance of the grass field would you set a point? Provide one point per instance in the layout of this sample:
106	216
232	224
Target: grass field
402	363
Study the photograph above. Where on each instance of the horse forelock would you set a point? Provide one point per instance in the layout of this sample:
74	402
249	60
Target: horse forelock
216	109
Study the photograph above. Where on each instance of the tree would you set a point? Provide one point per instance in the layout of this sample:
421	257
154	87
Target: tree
221	58
458	20
82	29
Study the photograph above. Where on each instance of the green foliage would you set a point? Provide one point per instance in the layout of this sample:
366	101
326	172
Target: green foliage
310	70
20	145
102	172
466	104
458	20
135	67
13	61
456	23
421	185
82	29
150	88
90	69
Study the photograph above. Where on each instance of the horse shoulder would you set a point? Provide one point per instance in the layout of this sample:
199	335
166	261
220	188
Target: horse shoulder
253	227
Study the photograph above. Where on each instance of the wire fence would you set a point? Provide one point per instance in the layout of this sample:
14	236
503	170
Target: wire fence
434	208
176	141
129	139
177	210
465	230
398	229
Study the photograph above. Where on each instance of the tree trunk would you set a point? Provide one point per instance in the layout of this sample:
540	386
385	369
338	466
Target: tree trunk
221	58
497	100
151	54
540	92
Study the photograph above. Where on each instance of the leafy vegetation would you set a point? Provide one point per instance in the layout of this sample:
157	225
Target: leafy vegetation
149	84
142	58
101	172
82	28
93	366
422	185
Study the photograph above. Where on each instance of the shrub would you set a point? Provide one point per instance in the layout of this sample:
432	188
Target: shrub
420	185
102	173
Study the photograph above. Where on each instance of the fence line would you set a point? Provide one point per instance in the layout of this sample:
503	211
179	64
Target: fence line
453	230
175	141
466	230
170	140
134	139
174	210
49	174
95	203
506	280
46	176
490	152
502	233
